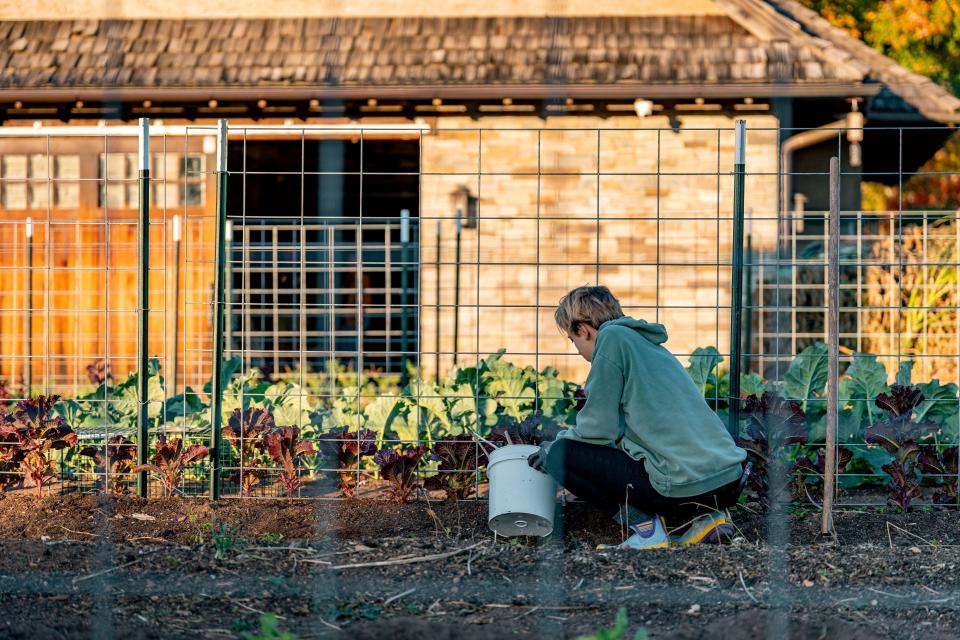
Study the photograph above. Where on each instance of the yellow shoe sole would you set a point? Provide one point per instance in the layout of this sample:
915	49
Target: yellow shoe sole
613	547
700	536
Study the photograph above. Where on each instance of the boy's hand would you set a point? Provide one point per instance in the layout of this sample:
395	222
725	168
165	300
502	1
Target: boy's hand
538	459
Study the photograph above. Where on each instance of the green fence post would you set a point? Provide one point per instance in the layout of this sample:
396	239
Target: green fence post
219	273
736	288
143	311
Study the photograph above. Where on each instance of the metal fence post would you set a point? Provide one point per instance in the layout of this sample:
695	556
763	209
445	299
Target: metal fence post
228	288
436	355
28	369
219	274
404	313
456	289
736	288
833	347
143	303
177	235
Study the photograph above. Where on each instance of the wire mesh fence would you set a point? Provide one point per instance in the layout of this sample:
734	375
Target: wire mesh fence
318	294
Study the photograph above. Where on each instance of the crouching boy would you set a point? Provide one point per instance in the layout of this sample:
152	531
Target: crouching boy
646	448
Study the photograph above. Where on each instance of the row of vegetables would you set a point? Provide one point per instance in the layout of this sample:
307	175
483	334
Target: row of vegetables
420	435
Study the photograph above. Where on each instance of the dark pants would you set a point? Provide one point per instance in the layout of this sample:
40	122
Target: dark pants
607	478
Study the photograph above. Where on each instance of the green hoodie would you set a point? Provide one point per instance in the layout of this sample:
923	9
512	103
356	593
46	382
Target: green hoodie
641	400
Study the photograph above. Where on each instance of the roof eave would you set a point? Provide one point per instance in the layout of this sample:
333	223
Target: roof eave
630	91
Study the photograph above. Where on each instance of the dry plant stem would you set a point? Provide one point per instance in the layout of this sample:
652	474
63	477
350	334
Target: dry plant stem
890	525
747	591
258	611
398	596
387	563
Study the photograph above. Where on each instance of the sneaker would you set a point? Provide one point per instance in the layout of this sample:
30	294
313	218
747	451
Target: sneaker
649	534
712	528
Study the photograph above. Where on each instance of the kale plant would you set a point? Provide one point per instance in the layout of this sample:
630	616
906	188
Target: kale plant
244	431
399	468
815	468
286	449
941	462
114	463
460	458
900	436
29	435
772	423
170	460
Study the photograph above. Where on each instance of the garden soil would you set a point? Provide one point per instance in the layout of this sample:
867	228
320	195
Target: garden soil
81	566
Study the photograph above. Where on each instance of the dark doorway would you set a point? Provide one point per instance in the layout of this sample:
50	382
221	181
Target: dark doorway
324	267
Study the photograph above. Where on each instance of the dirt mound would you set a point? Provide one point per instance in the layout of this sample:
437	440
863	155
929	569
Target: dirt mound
753	625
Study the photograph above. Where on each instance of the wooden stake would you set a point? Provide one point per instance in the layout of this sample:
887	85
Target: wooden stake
833	347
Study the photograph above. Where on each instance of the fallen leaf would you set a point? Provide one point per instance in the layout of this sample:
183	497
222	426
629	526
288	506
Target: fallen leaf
142	516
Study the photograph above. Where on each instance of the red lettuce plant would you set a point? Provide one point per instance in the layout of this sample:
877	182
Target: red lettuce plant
286	448
772	423
98	371
244	431
114	461
169	461
815	467
460	457
531	430
28	435
349	447
6	393
899	435
399	468
943	463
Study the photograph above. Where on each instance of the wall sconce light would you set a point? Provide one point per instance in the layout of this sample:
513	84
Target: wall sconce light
468	203
642	107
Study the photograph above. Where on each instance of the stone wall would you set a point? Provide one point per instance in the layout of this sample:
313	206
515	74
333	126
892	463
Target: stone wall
579	200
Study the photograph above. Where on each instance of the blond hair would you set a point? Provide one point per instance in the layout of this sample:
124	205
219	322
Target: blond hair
586	305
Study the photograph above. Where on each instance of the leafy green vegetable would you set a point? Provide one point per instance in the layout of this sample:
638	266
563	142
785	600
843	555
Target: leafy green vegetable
286	448
244	431
863	381
703	361
29	435
399	468
772	423
509	385
349	449
170	460
939	401
941	463
460	459
114	462
899	435
807	375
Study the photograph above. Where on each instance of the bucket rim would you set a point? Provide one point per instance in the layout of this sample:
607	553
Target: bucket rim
511	452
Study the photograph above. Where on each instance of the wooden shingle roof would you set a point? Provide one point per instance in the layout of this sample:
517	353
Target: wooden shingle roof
753	50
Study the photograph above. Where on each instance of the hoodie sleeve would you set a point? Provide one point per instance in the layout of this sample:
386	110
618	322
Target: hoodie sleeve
599	420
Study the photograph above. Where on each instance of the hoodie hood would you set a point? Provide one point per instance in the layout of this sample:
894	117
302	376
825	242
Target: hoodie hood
655	333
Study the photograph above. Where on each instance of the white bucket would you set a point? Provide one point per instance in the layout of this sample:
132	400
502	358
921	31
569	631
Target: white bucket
522	499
